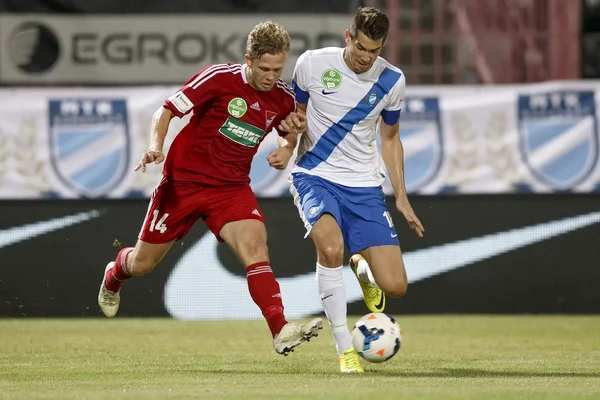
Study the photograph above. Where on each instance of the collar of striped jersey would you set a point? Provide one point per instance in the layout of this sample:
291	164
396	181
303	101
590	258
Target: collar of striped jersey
244	69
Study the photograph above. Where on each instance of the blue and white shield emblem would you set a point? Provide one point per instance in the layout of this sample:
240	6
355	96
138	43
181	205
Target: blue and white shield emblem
372	98
89	144
559	136
421	135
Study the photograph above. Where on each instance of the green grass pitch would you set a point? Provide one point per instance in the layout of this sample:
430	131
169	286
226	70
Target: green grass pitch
442	357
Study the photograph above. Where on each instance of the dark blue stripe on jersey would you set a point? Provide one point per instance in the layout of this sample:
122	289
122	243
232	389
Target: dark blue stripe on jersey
390	117
301	95
336	133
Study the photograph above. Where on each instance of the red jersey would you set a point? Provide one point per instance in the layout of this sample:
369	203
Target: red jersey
230	119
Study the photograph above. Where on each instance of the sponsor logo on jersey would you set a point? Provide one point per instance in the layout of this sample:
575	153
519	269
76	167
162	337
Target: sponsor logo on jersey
237	107
242	132
89	143
331	79
559	136
181	102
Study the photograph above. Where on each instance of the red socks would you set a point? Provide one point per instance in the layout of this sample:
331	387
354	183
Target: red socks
118	273
262	285
265	292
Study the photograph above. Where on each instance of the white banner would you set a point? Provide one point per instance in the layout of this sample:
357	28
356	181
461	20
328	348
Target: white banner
142	49
85	142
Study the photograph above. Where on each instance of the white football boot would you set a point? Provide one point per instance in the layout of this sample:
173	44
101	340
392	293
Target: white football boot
107	300
294	333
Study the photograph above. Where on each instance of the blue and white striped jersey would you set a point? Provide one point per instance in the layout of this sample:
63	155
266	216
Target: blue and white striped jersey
343	110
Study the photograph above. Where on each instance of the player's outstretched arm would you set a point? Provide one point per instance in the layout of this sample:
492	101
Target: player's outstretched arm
392	153
158	132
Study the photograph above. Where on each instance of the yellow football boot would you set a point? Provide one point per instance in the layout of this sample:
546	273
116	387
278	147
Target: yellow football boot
350	361
373	295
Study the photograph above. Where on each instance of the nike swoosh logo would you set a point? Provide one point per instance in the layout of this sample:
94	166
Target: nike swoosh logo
381	301
25	232
394	235
326	297
326	93
190	287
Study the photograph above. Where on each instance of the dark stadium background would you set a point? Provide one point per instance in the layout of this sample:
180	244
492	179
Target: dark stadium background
57	274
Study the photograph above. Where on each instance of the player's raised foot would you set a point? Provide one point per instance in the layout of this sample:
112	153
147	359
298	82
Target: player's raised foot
294	333
107	300
372	294
350	362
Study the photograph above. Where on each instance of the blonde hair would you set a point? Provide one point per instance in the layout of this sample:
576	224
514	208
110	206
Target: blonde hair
267	38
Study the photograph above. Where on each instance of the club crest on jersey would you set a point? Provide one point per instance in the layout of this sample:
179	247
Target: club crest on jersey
559	136
371	98
89	143
421	133
270	116
331	79
237	107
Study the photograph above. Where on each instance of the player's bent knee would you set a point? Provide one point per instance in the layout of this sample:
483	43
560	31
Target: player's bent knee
331	254
397	289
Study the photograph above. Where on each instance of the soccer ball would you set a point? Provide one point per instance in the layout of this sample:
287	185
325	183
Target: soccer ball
376	337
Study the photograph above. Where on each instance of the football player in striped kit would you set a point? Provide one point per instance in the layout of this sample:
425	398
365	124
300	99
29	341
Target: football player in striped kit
337	176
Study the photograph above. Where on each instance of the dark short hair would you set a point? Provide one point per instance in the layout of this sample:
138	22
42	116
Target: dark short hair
370	21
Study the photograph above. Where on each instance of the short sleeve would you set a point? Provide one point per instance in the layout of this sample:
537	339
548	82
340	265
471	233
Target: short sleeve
288	105
391	113
198	90
301	78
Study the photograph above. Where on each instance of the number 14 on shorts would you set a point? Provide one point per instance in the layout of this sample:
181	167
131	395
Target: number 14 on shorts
158	224
388	217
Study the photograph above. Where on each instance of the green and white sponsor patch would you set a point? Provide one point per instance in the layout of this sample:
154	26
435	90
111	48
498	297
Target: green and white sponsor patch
237	107
331	79
241	132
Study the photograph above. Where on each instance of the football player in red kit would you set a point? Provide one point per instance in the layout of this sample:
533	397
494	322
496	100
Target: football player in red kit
206	174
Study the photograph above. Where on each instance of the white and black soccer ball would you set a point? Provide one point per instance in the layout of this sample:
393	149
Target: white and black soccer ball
377	337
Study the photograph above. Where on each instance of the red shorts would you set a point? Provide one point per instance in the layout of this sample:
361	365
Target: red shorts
176	206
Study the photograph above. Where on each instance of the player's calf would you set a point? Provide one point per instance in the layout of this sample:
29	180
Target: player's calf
387	269
392	284
129	262
392	280
140	264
